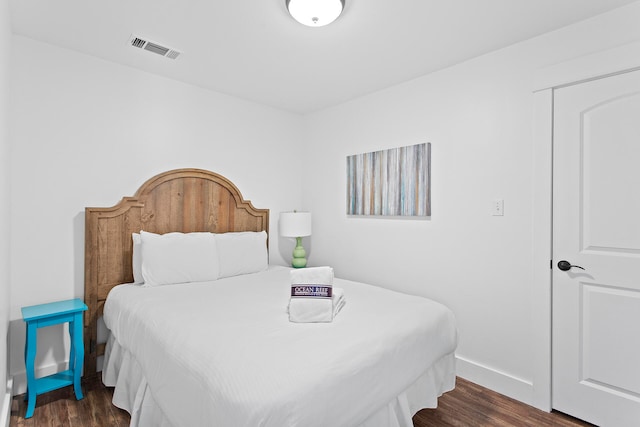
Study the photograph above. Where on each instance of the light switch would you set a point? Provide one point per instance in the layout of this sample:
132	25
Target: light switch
497	207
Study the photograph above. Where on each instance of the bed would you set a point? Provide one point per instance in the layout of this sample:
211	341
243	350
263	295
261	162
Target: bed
223	351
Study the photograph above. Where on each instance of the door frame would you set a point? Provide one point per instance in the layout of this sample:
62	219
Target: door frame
613	61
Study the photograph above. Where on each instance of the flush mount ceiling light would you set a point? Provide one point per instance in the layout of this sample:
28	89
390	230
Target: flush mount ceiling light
315	13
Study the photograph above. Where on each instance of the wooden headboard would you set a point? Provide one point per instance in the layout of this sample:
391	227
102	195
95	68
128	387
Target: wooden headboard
184	200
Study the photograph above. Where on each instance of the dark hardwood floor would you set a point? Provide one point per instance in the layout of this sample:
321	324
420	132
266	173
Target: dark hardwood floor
472	405
467	405
60	408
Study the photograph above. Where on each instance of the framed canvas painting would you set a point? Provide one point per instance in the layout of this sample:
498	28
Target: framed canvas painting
393	182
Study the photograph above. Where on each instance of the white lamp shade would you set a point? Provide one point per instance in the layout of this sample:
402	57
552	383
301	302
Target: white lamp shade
295	224
315	13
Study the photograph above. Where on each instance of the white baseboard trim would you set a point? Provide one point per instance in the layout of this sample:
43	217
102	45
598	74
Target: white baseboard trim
20	378
493	379
5	409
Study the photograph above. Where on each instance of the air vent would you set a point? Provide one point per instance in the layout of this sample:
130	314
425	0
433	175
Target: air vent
136	42
154	47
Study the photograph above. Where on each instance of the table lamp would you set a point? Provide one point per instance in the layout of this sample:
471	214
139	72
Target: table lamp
296	224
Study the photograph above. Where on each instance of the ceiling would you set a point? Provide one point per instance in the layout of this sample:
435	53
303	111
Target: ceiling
254	50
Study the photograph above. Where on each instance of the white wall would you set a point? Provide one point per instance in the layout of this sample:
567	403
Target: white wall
5	46
87	132
478	116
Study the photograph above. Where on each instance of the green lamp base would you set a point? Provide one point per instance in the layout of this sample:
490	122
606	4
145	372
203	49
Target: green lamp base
299	255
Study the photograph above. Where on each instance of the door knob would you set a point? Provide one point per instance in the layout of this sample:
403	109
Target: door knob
566	265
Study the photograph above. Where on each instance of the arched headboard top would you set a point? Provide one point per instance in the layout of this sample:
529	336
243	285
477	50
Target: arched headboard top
180	174
202	195
182	200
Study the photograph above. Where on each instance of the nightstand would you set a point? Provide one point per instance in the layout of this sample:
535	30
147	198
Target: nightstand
40	316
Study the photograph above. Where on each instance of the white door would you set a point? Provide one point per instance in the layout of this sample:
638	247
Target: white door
596	225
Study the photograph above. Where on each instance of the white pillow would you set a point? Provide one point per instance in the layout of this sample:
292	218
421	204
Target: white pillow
136	259
178	258
242	253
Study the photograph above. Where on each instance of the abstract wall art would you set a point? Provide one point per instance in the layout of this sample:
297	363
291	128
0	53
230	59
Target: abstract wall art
394	182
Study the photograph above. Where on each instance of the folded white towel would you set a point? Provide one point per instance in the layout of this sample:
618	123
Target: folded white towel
311	310
312	276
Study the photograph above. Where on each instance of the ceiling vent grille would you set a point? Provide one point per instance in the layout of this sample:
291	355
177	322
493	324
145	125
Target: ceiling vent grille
154	47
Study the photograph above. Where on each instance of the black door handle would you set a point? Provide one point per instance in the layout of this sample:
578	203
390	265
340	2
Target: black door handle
566	265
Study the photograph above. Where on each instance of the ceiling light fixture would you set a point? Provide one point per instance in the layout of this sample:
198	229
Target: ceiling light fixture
315	13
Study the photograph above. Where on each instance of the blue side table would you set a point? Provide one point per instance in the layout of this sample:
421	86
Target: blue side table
40	316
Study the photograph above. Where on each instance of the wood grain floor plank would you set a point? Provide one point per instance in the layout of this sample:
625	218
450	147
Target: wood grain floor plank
60	408
469	405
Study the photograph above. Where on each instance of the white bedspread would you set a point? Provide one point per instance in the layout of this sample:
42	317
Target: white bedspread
224	353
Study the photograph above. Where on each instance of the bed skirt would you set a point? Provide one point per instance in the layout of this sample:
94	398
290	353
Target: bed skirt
132	393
